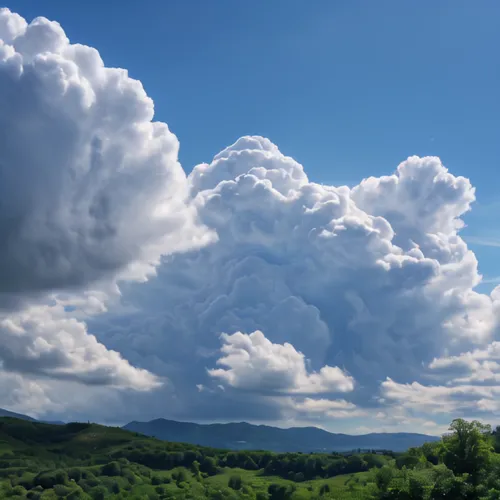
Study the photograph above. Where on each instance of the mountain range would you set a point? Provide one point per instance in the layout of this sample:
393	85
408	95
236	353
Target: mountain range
240	436
245	436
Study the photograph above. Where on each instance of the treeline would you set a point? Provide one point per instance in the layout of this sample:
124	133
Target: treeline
294	466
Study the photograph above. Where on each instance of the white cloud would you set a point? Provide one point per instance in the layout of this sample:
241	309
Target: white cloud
372	284
455	400
91	193
106	193
23	395
43	340
252	362
375	280
328	408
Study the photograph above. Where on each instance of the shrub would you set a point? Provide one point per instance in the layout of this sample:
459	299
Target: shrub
111	469
48	480
325	488
235	482
62	490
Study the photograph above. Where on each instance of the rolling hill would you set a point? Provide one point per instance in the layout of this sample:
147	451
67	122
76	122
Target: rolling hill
240	436
7	413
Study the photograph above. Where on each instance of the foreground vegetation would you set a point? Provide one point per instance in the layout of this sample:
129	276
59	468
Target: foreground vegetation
87	461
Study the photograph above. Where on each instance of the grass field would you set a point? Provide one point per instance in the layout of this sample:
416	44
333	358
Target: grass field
358	486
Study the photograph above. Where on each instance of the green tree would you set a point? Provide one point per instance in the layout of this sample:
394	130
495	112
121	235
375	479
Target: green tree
416	489
209	466
112	469
467	450
383	477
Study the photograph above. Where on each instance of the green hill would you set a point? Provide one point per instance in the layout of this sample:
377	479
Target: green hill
89	461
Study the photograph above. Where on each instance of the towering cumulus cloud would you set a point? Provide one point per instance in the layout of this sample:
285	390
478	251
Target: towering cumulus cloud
245	290
369	282
90	192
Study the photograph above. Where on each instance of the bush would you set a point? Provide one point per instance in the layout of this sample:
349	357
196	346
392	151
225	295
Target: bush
62	490
111	469
235	482
48	480
325	488
75	474
99	493
180	475
299	477
19	491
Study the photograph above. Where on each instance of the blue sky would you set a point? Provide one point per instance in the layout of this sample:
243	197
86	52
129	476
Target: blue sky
348	88
369	295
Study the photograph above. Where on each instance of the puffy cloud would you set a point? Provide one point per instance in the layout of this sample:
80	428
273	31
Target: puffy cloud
43	340
23	395
91	193
336	408
90	185
457	400
371	283
466	384
477	366
254	363
374	280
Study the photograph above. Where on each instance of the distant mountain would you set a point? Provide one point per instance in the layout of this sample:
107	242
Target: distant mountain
240	436
7	413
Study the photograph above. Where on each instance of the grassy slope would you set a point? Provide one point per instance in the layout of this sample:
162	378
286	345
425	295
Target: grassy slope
27	448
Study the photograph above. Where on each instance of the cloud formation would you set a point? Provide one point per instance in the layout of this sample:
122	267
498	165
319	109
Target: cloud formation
118	271
254	363
106	192
91	192
374	280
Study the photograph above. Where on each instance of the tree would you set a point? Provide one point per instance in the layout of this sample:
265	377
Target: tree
112	469
383	477
416	489
407	460
431	452
467	449
209	466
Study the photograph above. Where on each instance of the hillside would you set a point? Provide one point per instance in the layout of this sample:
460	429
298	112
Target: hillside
92	462
241	436
82	460
7	413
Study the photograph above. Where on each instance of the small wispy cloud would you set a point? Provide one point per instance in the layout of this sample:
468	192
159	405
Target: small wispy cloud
483	241
495	280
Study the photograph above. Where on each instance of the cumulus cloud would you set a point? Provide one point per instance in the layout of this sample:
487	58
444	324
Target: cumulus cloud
252	362
330	408
90	185
465	384
363	290
461	399
477	366
373	279
42	340
91	193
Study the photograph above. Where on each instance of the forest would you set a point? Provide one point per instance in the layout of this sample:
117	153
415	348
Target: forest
89	461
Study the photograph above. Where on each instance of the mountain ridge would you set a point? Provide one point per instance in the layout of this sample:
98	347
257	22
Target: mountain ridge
243	435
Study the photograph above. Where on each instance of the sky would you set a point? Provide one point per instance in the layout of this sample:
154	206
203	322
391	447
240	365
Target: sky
274	212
